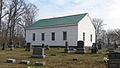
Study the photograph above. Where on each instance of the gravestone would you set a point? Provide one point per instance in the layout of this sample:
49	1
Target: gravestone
11	46
40	63
10	60
114	60
38	52
47	47
24	62
80	47
3	48
43	46
114	55
94	48
28	47
66	50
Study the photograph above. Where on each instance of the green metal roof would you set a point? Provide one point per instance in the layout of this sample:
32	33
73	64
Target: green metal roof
72	19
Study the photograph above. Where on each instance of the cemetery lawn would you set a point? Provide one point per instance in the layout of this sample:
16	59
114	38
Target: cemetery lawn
61	60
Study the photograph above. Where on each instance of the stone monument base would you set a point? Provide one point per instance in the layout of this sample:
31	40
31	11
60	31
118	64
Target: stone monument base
80	51
38	56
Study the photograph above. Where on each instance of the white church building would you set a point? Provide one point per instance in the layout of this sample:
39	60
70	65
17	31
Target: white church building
56	31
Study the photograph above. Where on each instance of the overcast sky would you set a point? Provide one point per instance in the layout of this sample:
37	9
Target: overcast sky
108	10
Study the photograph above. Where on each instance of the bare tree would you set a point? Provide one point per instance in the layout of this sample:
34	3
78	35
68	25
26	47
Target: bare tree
14	16
113	37
30	13
98	24
3	12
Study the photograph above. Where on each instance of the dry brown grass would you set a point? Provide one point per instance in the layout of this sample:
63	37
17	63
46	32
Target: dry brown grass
62	60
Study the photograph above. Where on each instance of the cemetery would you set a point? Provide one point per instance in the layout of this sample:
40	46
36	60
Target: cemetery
59	58
59	34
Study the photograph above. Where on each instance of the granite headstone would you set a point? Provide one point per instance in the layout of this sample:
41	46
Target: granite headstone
38	52
80	47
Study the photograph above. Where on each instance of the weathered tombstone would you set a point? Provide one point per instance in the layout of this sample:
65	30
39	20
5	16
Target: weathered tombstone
3	48
38	52
114	60
80	47
11	46
47	47
10	60
24	62
94	48
40	63
28	47
66	50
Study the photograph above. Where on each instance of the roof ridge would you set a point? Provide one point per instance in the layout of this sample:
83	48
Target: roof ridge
63	16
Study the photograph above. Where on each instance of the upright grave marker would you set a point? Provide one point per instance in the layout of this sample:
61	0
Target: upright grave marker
80	47
47	47
66	48
3	48
38	52
28	47
11	46
114	60
94	48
